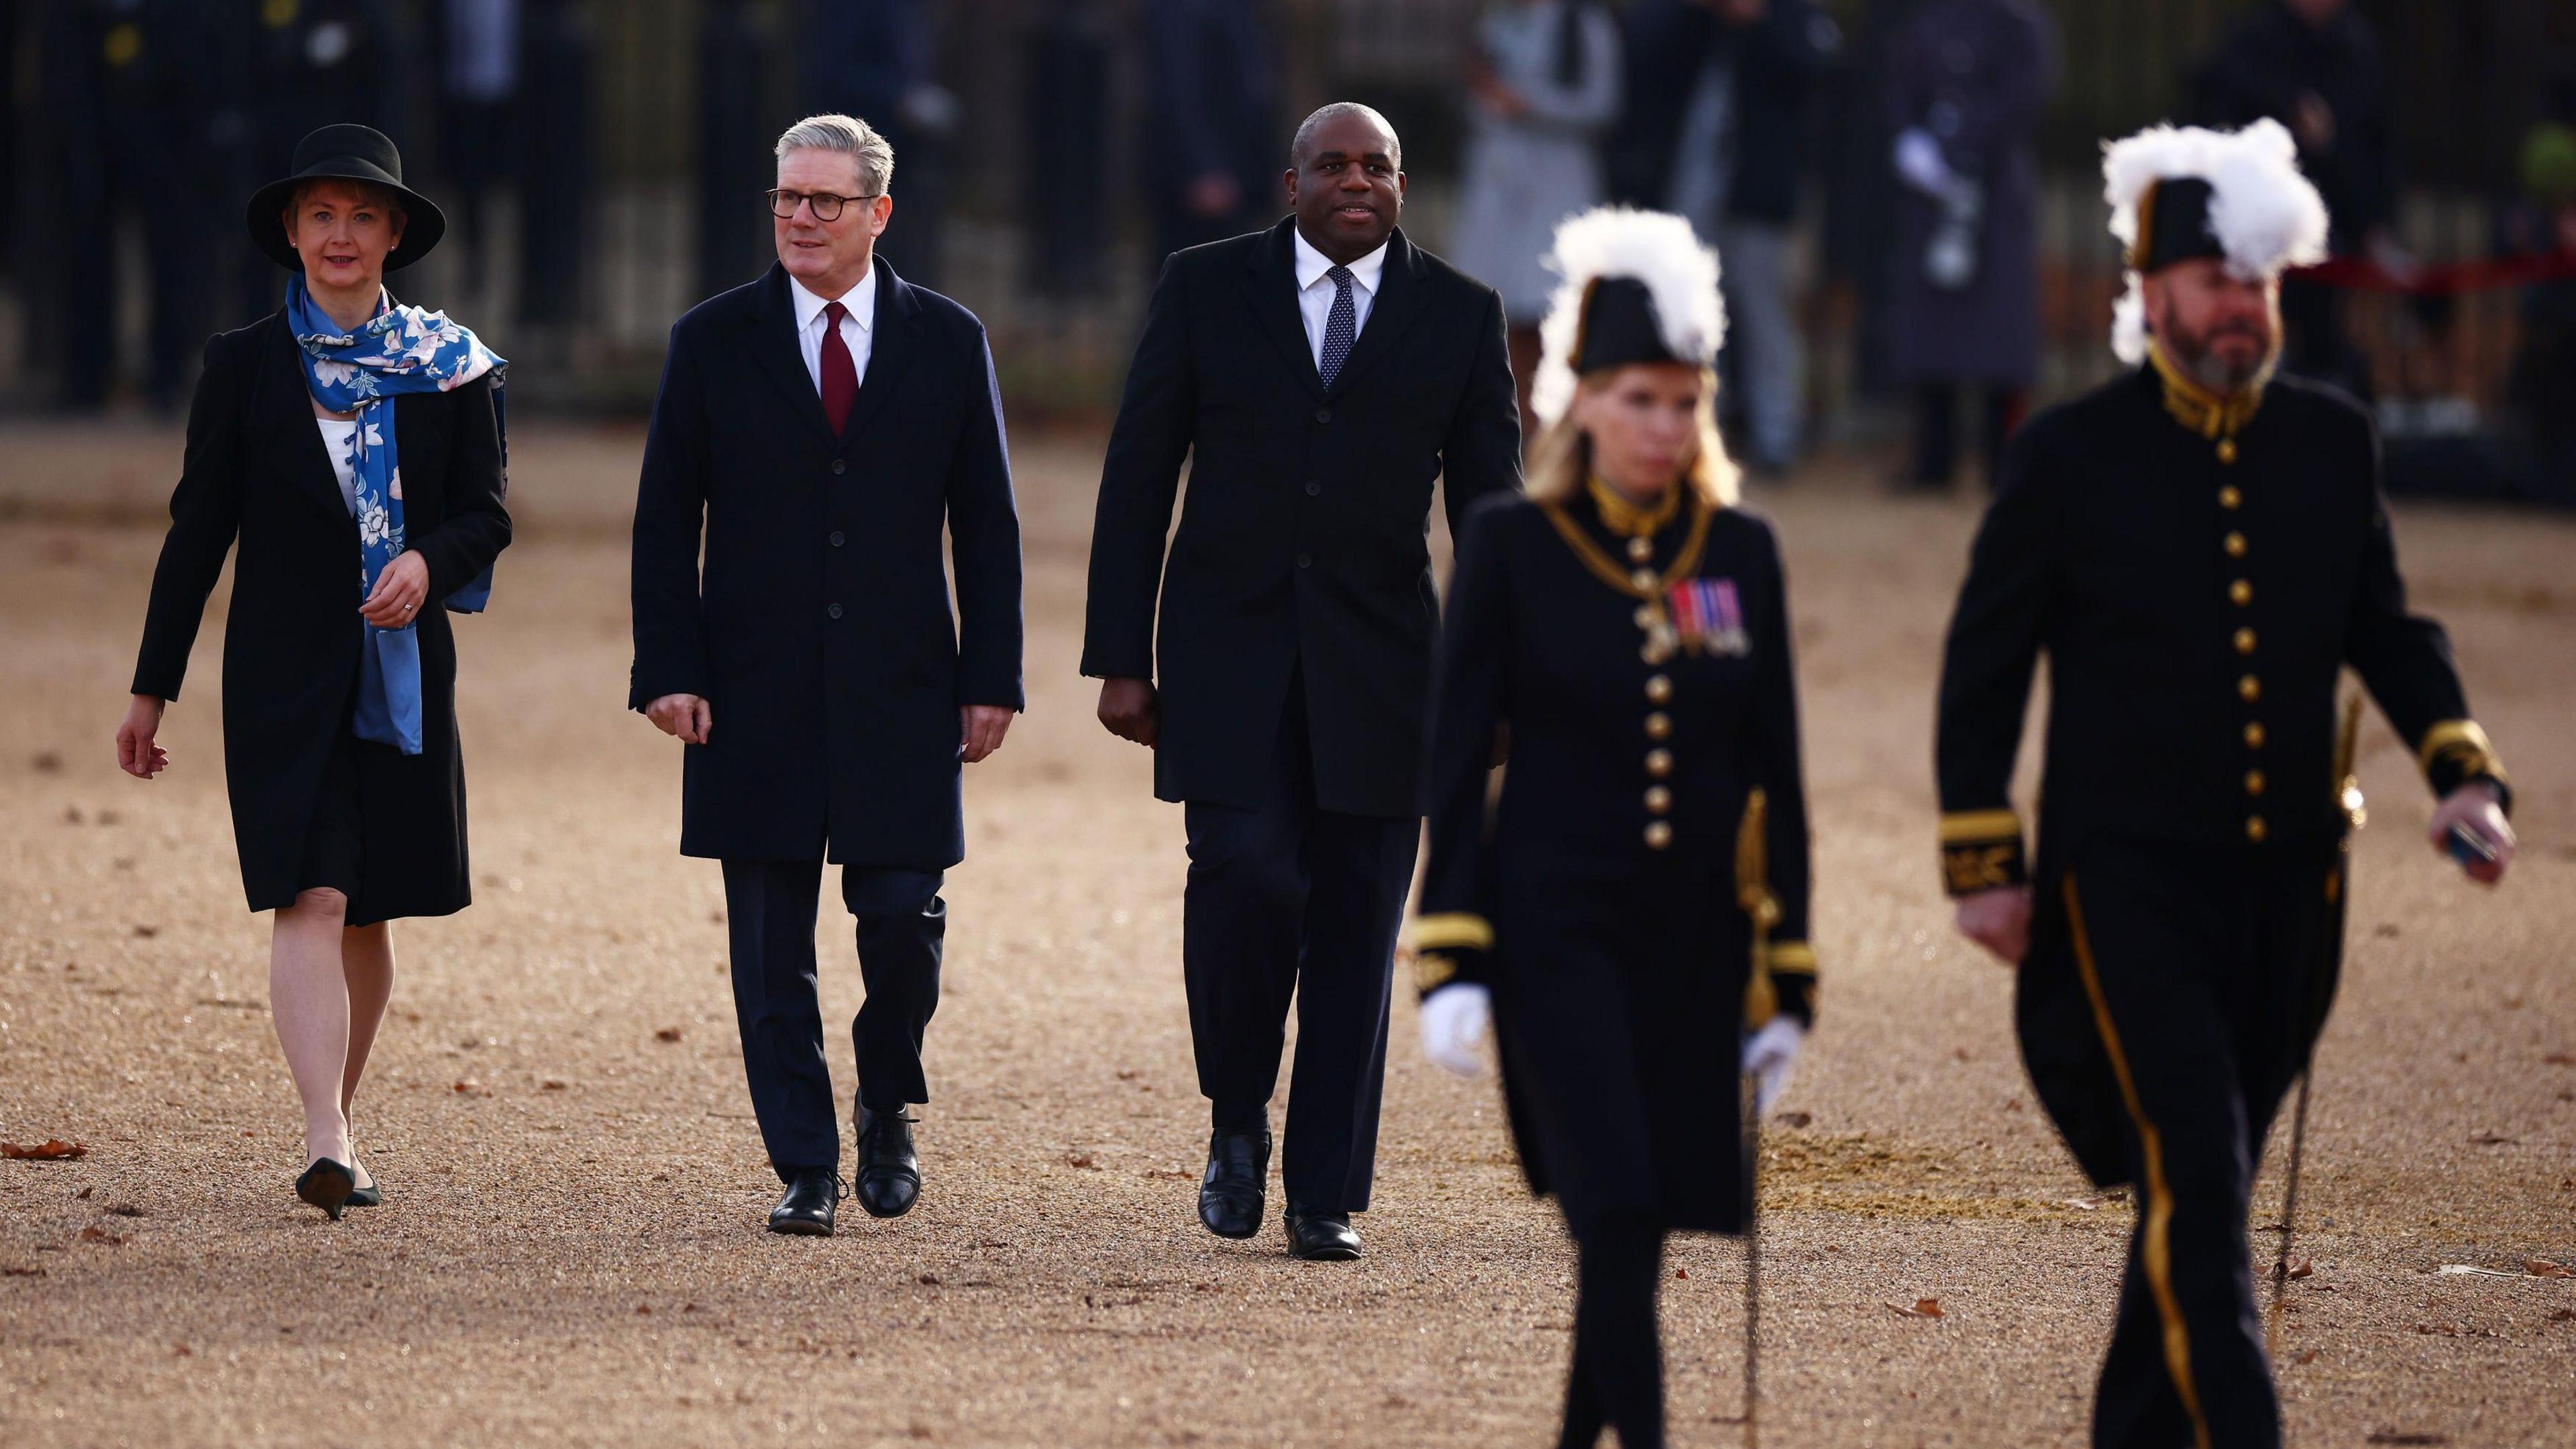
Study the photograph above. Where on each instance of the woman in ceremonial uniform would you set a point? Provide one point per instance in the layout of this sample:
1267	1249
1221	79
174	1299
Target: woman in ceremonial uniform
1634	900
352	446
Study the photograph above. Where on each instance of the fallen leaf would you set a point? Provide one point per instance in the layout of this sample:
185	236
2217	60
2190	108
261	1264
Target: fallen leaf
52	1149
2543	1268
2493	1139
1923	1308
2088	1204
14	1271
96	1234
1080	1159
1681	1272
84	1193
552	1084
2392	1436
668	1033
1794	1120
2309	1356
2302	1268
928	1280
644	1310
469	1087
2471	1270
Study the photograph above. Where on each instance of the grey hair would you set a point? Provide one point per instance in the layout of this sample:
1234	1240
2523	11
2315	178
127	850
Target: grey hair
852	137
1307	128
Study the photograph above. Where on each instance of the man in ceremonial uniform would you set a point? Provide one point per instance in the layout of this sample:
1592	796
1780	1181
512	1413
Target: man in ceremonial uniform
2199	548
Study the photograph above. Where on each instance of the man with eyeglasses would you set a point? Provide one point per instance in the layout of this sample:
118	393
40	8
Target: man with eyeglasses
815	432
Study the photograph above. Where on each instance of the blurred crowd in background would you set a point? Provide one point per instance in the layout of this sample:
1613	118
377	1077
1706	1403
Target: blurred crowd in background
1905	193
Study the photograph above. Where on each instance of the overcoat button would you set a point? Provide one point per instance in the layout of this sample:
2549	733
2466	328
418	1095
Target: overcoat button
834	611
837	539
840	465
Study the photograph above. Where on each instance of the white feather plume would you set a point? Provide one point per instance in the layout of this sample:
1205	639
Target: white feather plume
1654	247
2264	214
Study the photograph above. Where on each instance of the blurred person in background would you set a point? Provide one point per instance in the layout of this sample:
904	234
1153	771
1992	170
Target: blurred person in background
1210	120
1629	914
1065	202
816	433
130	99
2200	548
1966	83
346	439
1318	378
2543	380
1543	89
1714	132
311	62
732	61
879	59
556	140
2314	66
478	92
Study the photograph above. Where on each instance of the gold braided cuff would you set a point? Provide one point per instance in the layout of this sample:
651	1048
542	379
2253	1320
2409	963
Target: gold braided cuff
1981	850
1451	931
2455	751
1787	957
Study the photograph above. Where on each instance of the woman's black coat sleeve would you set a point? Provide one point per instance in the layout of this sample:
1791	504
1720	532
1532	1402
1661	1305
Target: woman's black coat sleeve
205	515
475	527
1470	702
1780	770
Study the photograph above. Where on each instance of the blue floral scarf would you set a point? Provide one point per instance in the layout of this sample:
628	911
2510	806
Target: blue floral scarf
399	350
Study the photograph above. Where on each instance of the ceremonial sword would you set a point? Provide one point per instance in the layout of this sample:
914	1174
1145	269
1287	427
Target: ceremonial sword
2323	966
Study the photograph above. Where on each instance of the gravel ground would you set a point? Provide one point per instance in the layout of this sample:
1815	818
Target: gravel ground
571	1249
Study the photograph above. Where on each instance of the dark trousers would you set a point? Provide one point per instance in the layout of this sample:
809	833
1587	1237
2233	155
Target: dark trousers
1286	899
1936	430
2202	971
1618	1377
770	905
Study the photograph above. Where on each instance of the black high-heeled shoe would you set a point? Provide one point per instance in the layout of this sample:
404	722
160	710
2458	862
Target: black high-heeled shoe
327	1185
372	1195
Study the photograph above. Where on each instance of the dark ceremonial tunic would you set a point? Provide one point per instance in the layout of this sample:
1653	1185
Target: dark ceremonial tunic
2198	571
1604	876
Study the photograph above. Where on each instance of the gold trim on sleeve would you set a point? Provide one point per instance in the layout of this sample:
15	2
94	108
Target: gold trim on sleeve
2461	740
1975	827
1453	931
1792	958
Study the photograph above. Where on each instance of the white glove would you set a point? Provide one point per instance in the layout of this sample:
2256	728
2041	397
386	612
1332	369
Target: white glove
1919	161
1454	1019
1769	1054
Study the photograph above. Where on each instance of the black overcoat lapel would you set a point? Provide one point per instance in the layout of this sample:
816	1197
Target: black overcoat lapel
771	322
890	350
1270	286
1398	303
283	404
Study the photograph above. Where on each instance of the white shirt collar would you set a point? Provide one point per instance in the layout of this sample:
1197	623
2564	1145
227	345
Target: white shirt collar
1312	264
861	300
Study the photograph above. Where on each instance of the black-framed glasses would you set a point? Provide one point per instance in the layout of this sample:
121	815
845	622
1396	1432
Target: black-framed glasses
827	207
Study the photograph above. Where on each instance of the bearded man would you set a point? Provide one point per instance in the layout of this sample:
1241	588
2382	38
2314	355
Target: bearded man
2200	548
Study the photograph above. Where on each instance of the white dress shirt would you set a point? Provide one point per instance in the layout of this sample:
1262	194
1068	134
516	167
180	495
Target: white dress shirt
858	319
1315	291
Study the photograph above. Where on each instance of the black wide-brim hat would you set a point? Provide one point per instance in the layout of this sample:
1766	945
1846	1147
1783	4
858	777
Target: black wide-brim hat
345	153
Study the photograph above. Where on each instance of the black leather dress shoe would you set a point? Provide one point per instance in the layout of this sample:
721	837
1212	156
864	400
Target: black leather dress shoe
805	1209
1320	1237
889	1169
1238	1168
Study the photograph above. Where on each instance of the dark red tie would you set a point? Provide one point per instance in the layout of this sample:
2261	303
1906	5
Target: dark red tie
840	374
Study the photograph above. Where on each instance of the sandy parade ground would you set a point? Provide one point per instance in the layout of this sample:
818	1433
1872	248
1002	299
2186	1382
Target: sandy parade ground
571	1248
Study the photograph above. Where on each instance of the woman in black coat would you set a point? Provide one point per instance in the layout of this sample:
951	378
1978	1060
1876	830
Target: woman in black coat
353	447
1636	898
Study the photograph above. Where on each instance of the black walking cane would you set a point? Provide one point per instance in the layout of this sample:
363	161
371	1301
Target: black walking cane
1761	1003
2323	966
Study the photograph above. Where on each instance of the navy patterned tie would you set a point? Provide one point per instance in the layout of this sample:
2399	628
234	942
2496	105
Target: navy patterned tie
1339	327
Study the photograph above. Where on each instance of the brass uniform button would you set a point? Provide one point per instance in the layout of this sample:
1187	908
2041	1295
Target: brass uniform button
1659	688
2240	593
2253	782
2249	689
1644	580
2254	735
1659	763
1659	834
2227	450
2254	829
1659	725
2235	545
1641	550
1659	799
2229	497
2244	641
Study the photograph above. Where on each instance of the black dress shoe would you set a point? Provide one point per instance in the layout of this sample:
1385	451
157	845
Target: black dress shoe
1320	1237
1238	1168
889	1169
326	1185
805	1209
